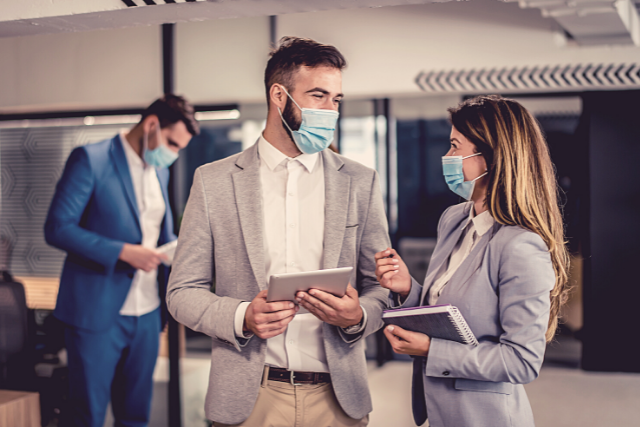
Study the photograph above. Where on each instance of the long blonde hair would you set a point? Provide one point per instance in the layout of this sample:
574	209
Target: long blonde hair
522	187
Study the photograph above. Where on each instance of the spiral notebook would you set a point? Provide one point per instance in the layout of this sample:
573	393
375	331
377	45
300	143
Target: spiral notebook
437	321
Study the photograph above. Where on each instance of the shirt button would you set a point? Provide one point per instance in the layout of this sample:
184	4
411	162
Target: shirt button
446	373
291	194
292	342
291	225
292	264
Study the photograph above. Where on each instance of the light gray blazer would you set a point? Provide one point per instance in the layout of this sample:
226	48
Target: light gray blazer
221	244
502	290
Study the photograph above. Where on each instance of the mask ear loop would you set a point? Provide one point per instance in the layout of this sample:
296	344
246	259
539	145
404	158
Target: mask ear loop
291	97
280	111
486	169
145	146
284	121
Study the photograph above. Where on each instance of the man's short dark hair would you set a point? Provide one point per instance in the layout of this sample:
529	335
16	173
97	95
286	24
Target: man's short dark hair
171	109
295	52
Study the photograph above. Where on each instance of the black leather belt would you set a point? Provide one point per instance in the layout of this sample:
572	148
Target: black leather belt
297	377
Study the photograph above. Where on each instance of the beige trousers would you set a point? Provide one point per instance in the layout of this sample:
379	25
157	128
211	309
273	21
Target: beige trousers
281	404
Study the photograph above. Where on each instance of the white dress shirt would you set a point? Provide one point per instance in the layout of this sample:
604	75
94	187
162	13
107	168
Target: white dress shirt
143	295
293	198
475	228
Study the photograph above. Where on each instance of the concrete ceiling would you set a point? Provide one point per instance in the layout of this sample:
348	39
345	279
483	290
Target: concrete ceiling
21	18
592	22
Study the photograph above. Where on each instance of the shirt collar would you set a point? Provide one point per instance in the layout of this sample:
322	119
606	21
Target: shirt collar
482	223
273	157
132	156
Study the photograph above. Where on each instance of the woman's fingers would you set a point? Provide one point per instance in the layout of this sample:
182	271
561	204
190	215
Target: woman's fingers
395	342
384	254
380	271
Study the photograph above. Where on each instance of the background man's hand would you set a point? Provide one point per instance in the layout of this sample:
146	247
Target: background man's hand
141	258
392	272
342	312
268	319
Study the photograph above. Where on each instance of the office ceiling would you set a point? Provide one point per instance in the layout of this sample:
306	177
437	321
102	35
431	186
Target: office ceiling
580	22
592	22
20	18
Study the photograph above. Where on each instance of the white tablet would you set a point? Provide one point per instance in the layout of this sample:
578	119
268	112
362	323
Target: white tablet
283	287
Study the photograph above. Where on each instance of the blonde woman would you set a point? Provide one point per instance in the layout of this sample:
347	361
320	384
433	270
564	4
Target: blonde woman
500	258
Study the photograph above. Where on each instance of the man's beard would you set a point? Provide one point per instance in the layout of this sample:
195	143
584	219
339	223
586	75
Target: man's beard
289	116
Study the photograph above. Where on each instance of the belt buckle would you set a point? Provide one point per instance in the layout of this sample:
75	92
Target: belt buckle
292	377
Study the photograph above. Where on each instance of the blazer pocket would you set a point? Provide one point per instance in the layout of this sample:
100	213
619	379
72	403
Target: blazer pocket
224	341
483	386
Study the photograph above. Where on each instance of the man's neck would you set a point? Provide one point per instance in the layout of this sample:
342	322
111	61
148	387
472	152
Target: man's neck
134	138
276	135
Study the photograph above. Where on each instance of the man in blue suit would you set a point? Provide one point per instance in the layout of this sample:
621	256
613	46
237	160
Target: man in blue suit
109	213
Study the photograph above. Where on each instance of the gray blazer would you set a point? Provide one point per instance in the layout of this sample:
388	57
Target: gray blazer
502	290
219	263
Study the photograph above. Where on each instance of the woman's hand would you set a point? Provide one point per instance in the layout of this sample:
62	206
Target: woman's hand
392	272
407	342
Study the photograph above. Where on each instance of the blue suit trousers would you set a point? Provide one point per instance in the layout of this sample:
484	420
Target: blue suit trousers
114	365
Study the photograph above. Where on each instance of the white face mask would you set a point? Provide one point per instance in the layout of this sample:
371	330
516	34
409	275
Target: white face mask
317	128
453	175
161	156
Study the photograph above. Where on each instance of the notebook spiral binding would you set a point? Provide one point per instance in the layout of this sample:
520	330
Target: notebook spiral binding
462	327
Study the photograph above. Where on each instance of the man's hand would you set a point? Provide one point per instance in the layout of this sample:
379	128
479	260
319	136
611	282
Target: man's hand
268	319
342	312
141	258
407	342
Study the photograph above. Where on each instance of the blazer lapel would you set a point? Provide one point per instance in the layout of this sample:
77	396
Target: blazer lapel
121	165
248	195
472	262
444	252
337	191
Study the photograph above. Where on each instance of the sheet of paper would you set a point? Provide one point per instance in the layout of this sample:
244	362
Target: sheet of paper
168	249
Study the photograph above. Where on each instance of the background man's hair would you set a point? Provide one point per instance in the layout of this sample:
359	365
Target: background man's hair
171	109
295	52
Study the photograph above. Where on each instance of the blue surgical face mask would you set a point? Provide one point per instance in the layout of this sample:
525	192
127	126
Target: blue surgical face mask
316	130
452	170
161	156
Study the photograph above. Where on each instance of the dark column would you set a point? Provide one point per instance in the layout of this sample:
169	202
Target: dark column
612	250
381	108
175	410
273	30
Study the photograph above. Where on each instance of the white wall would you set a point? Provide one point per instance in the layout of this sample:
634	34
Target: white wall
223	60
94	69
388	47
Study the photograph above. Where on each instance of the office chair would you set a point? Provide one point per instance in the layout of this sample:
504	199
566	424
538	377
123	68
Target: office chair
13	328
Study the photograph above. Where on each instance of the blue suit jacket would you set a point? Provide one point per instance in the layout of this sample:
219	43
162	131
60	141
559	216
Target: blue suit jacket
502	290
92	214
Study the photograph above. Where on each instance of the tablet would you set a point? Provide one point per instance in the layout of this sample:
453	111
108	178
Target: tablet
283	287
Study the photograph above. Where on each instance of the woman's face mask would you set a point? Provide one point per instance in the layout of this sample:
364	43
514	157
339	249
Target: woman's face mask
316	130
454	176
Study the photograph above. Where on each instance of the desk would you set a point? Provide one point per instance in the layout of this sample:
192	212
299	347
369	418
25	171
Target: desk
41	292
19	409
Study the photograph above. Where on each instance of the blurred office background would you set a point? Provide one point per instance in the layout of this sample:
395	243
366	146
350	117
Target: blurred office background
76	73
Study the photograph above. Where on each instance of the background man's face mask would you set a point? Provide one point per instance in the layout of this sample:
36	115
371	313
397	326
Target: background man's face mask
317	128
454	177
161	156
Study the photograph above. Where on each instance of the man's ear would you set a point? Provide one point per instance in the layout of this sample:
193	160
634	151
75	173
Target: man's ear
150	123
278	96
